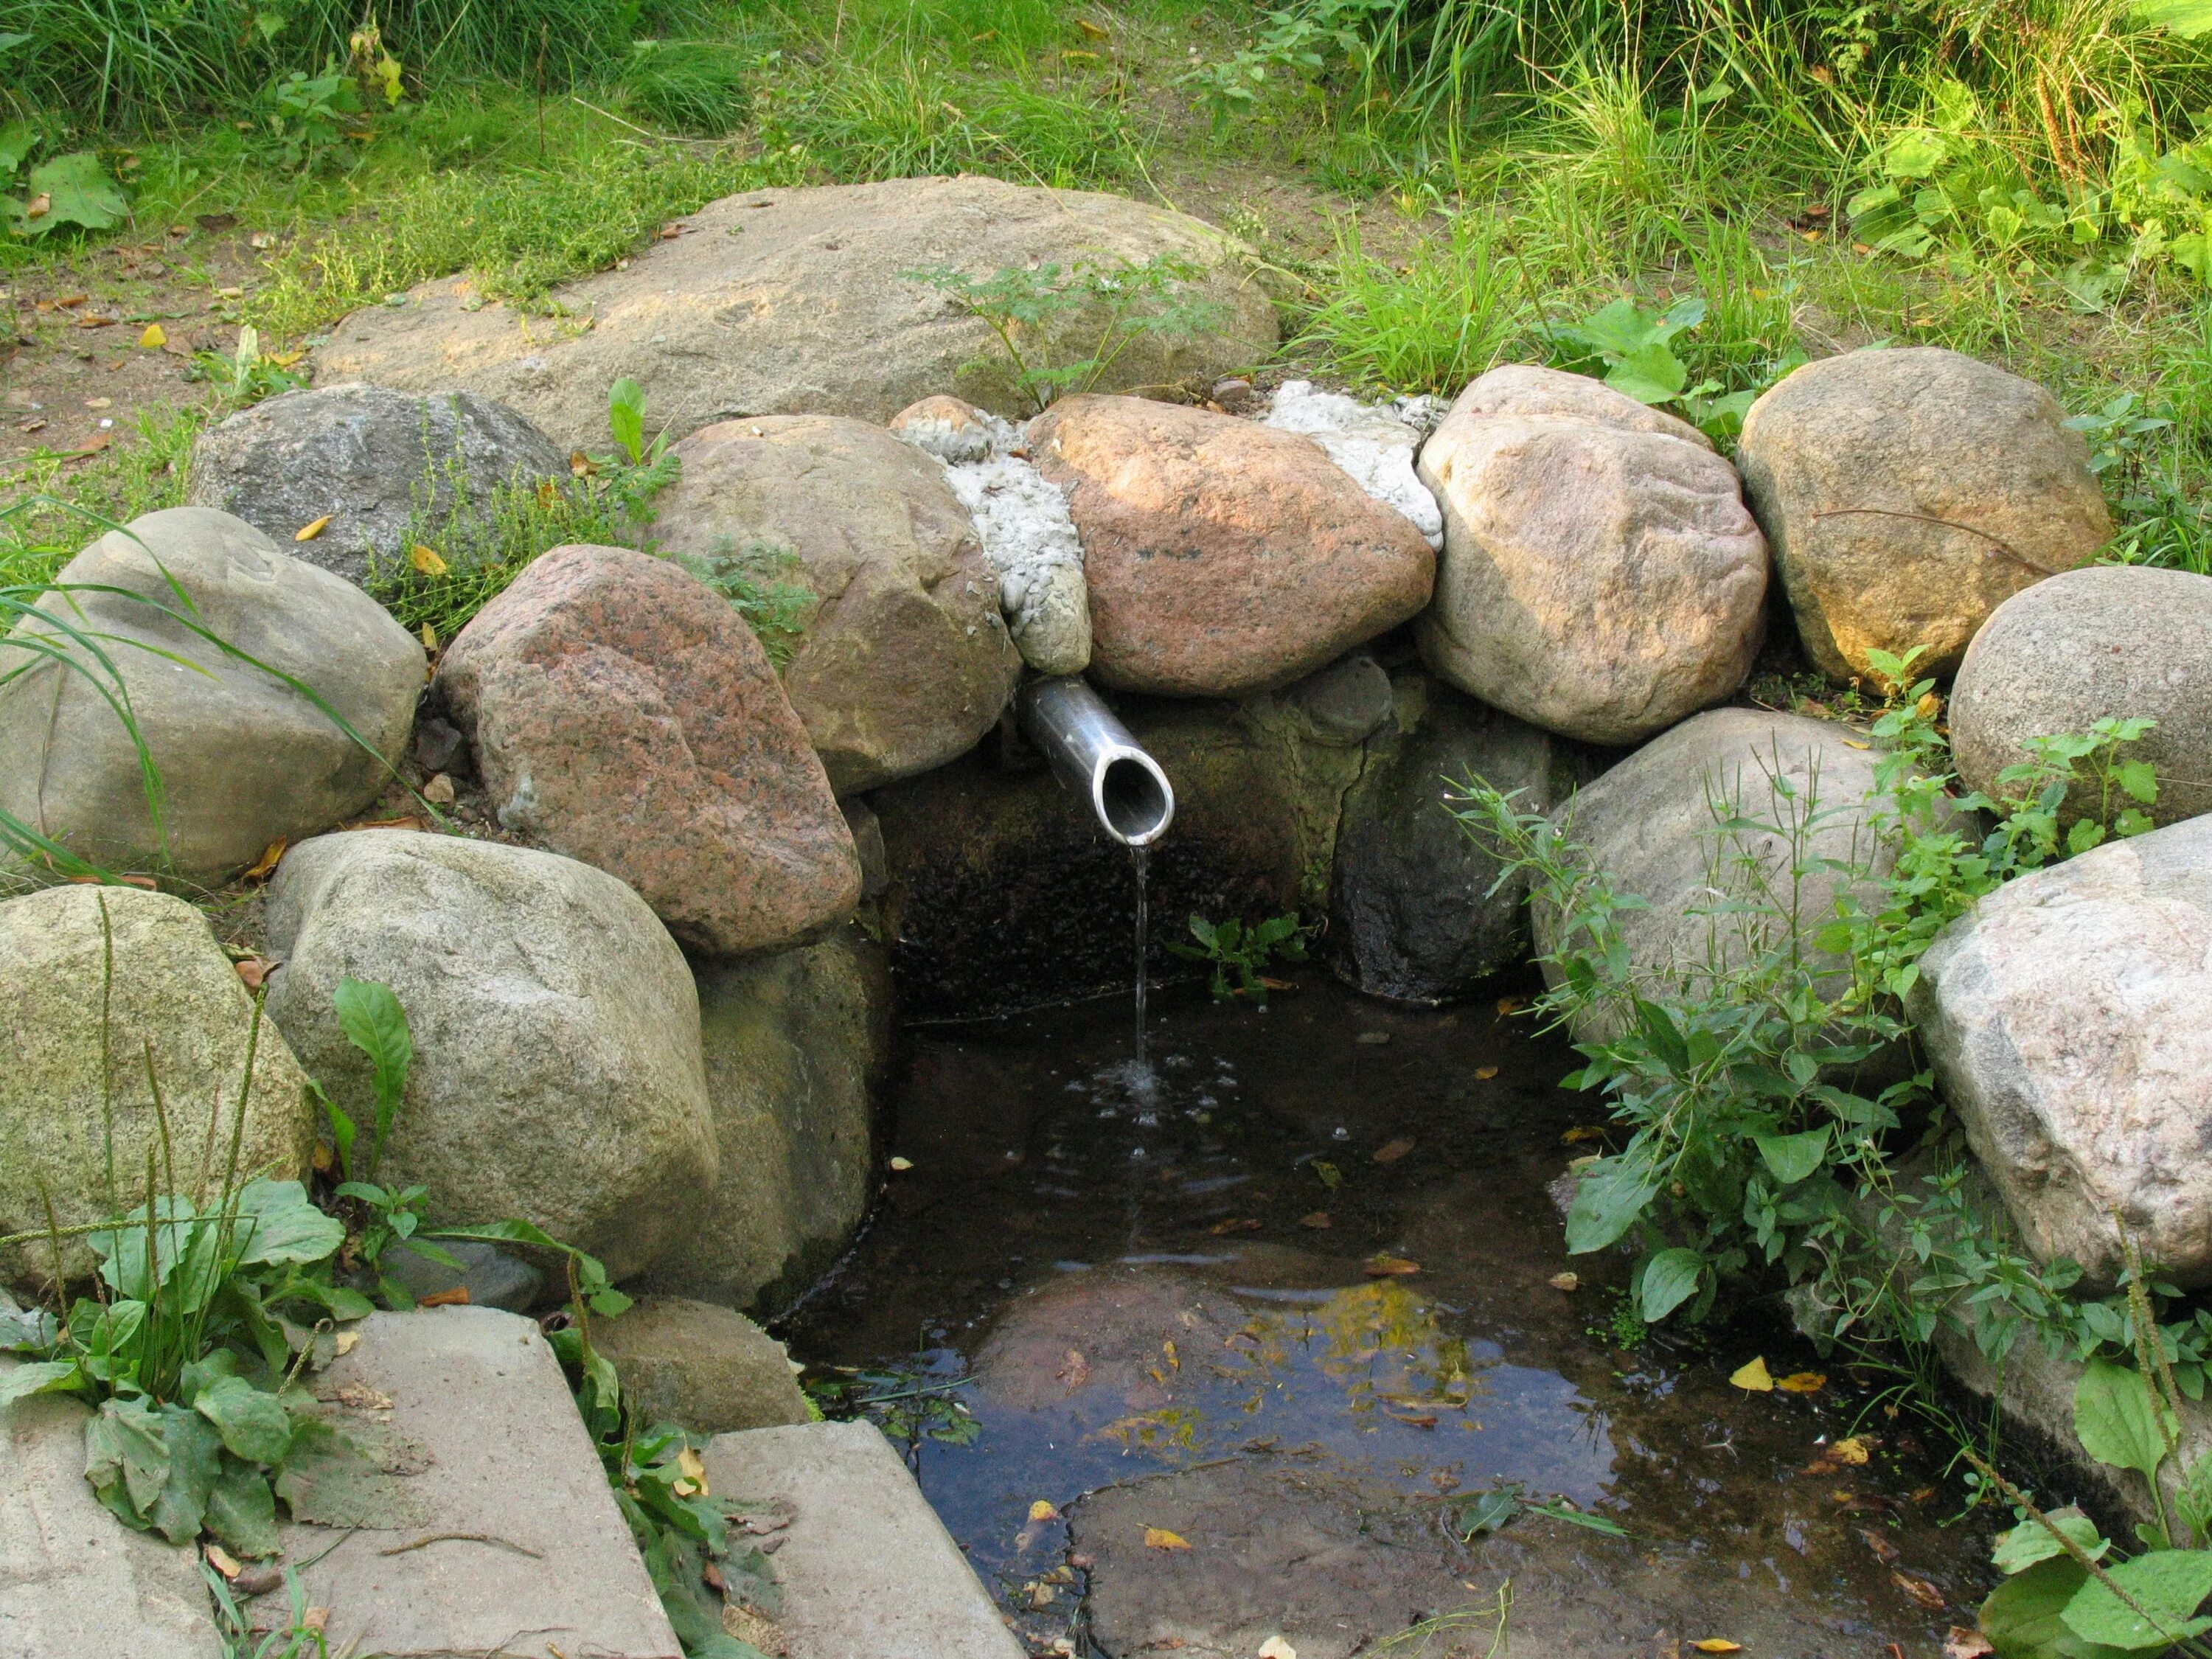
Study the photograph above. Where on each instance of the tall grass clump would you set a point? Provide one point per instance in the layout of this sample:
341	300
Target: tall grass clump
126	64
1456	306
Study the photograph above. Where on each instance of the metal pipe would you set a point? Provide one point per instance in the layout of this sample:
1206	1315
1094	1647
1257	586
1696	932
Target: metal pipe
1095	756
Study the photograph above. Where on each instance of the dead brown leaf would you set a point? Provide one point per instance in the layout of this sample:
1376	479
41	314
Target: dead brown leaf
1316	1219
1391	1152
456	1297
1882	1548
253	971
1160	1538
360	1397
1075	1372
1923	1594
1959	1643
1390	1266
1221	1227
1568	1281
265	866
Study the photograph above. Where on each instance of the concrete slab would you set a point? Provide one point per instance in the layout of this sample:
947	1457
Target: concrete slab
867	1569
496	1532
75	1582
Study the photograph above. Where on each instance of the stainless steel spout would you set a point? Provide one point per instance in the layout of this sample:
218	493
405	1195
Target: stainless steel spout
1095	756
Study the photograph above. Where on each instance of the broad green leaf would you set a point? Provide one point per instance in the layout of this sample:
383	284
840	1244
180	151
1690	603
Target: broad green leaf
124	1451
1486	1511
626	417
26	1332
1670	1278
253	1423
1914	155
2168	1585
1608	1200
1614	330
195	1457
2139	780
17	141
278	1223
45	1377
2118	1419
242	1511
77	190
2031	1540
373	1022
1650	374
2186	18
2023	1616
1792	1159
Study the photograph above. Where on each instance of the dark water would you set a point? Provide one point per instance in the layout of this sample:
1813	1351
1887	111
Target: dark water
1296	1275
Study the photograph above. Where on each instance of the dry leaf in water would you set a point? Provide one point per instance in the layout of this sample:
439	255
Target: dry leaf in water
1390	1266
1754	1377
1566	1281
1882	1548
1484	1073
1076	1371
1801	1383
1042	1510
1219	1228
902	1164
1853	1450
1318	1219
1925	1594
1391	1152
1160	1538
1959	1643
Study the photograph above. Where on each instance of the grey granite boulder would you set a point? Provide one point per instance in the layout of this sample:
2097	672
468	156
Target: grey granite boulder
1418	913
245	758
792	1041
800	301
1601	576
2114	640
386	467
171	990
557	1075
1652	827
1907	493
707	1368
2069	1018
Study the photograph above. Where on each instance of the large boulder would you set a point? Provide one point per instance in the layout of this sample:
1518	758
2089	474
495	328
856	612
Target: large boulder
2066	1017
1652	827
1223	557
1419	910
708	1368
66	1082
2116	641
808	300
1601	576
903	660
386	469
793	1043
622	713
556	1075
1907	493
245	757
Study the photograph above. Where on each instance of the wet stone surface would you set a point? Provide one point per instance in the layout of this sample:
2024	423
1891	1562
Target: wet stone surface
1147	1303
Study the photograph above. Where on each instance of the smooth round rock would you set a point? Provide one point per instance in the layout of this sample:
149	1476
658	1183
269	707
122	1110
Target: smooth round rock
2116	641
386	468
1909	492
244	759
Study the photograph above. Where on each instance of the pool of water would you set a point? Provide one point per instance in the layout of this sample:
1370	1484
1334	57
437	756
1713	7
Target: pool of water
1298	1279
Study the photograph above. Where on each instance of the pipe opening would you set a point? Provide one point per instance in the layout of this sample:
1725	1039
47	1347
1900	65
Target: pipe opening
1134	799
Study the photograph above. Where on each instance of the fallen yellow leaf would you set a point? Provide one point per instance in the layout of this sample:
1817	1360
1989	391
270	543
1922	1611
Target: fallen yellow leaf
1853	1450
1853	743
1754	1378
1042	1510
1484	1073
1160	1538
1568	1281
1801	1383
154	337
1585	1131
307	533
1391	1152
429	637
1929	706
694	1470
1099	32
902	1164
264	866
1275	1647
284	359
346	1342
1718	1645
223	1560
426	560
1390	1266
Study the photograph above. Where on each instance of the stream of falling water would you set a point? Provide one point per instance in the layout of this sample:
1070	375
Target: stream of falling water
1138	857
